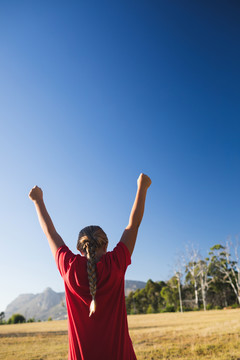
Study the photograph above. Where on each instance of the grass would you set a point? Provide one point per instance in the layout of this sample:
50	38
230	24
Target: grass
194	335
212	335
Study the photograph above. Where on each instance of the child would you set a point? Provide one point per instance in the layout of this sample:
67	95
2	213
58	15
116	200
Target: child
94	283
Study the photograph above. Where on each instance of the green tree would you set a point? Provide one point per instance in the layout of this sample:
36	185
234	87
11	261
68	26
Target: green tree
138	302
153	290
226	269
129	302
31	320
150	309
170	293
2	316
16	319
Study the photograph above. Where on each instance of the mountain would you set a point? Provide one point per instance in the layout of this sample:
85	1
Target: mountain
39	306
50	303
131	285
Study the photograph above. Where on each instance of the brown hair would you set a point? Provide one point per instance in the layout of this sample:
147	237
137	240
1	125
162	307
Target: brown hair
90	239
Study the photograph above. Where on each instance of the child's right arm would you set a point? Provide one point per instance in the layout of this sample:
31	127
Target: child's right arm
129	235
54	239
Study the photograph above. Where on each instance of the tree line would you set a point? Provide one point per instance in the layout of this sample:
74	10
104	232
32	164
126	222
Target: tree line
198	283
14	319
17	319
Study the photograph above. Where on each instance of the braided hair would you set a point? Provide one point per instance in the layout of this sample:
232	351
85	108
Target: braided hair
90	239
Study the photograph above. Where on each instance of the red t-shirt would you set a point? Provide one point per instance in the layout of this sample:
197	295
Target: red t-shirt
104	335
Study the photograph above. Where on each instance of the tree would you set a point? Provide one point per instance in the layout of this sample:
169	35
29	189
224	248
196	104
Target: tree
31	320
2	316
227	266
170	293
147	299
220	291
16	319
192	271
178	277
178	271
203	266
129	301
150	309
153	290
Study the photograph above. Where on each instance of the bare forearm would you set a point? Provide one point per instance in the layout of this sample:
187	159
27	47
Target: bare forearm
54	239
129	235
138	207
44	218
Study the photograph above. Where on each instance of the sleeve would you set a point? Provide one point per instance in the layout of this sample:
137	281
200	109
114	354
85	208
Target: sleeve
64	258
121	256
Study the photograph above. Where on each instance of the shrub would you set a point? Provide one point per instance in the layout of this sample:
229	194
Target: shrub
31	320
169	308
16	319
150	309
187	309
235	306
2	316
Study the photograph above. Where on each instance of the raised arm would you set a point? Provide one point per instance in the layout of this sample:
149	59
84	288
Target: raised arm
129	235
54	239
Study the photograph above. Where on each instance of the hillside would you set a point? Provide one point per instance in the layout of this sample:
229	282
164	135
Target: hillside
50	303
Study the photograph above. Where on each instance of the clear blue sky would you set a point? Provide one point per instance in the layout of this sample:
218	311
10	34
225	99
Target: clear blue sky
93	93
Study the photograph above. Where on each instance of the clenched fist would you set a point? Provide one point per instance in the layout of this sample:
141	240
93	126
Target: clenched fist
36	194
144	180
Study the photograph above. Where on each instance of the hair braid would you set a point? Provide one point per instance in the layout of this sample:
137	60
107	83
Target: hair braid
92	278
90	239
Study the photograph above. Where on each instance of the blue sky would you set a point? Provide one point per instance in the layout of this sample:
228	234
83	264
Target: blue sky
93	93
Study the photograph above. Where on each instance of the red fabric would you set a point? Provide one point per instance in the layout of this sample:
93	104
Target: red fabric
104	335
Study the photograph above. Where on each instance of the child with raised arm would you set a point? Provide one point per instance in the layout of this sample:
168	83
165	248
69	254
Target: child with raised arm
94	283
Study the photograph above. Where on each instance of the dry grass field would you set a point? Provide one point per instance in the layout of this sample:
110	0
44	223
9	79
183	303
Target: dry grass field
213	335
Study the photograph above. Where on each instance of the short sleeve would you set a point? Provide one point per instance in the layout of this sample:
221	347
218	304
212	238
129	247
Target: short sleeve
121	256
64	257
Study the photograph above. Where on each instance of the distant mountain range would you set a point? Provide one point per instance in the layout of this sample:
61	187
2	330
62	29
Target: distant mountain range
50	303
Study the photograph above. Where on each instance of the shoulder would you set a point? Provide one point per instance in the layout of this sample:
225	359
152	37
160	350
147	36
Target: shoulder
120	256
65	259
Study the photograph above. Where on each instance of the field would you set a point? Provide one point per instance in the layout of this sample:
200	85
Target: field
213	335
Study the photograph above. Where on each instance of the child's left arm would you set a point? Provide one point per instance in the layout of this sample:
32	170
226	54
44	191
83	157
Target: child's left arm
54	239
